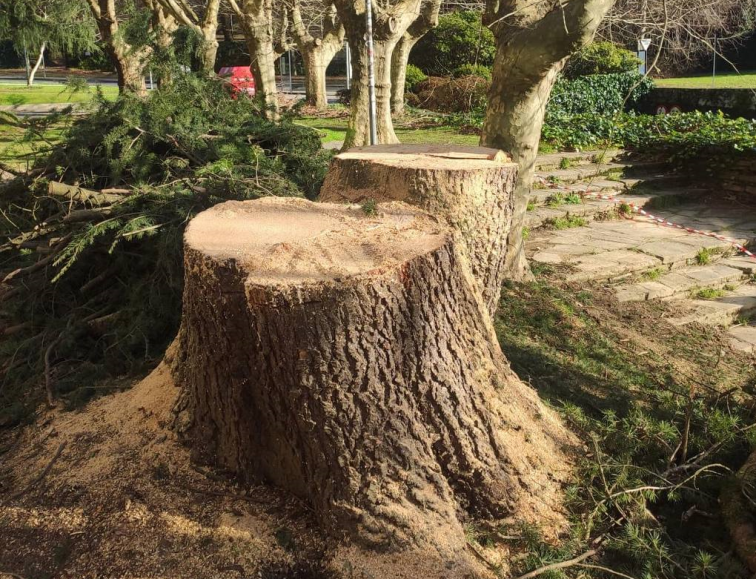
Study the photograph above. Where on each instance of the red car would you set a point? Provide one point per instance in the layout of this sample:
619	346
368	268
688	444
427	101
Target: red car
240	79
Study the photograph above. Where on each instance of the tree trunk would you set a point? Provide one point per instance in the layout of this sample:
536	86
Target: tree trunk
399	62
513	123
209	51
33	72
470	188
349	359
260	45
534	42
315	77
130	72
358	134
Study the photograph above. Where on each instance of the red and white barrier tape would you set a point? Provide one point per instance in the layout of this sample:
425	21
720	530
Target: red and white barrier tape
666	222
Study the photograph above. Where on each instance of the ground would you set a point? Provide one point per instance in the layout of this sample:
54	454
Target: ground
722	80
108	491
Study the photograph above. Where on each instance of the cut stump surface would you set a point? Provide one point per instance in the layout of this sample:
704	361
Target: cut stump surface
469	188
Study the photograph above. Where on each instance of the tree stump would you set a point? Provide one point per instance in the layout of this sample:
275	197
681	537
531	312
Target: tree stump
349	358
470	188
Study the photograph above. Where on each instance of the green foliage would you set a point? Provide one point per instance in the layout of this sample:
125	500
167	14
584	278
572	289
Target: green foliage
566	222
704	255
63	25
460	38
601	94
601	58
414	76
112	291
478	70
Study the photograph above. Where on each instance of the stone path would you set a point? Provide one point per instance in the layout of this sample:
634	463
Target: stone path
588	240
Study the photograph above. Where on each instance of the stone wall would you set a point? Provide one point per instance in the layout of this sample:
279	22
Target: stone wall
740	177
734	102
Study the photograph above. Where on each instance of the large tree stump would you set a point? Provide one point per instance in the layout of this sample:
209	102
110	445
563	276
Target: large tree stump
349	359
470	188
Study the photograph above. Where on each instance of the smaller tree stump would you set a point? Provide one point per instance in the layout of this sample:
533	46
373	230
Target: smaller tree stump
470	188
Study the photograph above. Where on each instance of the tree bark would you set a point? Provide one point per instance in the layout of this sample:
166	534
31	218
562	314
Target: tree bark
317	53
37	64
257	22
427	20
128	60
389	25
205	24
469	188
399	61
349	359
534	41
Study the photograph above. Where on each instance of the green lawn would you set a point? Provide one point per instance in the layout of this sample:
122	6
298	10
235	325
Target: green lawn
727	80
20	94
19	149
334	129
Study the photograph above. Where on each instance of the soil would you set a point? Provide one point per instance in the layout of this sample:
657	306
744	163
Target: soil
123	500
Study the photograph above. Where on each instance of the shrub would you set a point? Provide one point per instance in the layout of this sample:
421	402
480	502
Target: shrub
110	296
460	38
601	58
603	94
473	70
414	76
454	95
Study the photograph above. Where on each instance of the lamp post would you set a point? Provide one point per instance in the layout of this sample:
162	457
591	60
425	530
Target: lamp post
643	46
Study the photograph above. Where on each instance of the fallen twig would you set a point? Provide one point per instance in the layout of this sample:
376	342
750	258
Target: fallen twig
562	565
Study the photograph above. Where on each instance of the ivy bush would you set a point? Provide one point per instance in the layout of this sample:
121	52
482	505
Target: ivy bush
682	138
601	58
602	94
460	38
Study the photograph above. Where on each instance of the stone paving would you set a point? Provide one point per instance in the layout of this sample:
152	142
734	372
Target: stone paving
588	240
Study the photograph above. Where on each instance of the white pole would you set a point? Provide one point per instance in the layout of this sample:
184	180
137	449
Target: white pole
152	85
714	71
348	66
291	81
371	73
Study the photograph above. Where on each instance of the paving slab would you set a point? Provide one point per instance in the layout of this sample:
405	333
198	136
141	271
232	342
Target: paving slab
743	338
669	252
610	264
745	264
720	312
681	282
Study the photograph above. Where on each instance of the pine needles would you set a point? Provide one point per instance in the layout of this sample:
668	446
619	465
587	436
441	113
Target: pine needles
96	268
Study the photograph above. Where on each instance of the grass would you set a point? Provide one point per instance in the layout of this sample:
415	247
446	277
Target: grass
613	374
18	94
708	293
704	255
19	148
726	80
335	128
567	222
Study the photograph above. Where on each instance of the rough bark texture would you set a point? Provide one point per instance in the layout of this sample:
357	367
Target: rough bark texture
128	60
257	21
390	23
470	188
739	513
427	21
204	24
534	40
317	52
349	359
